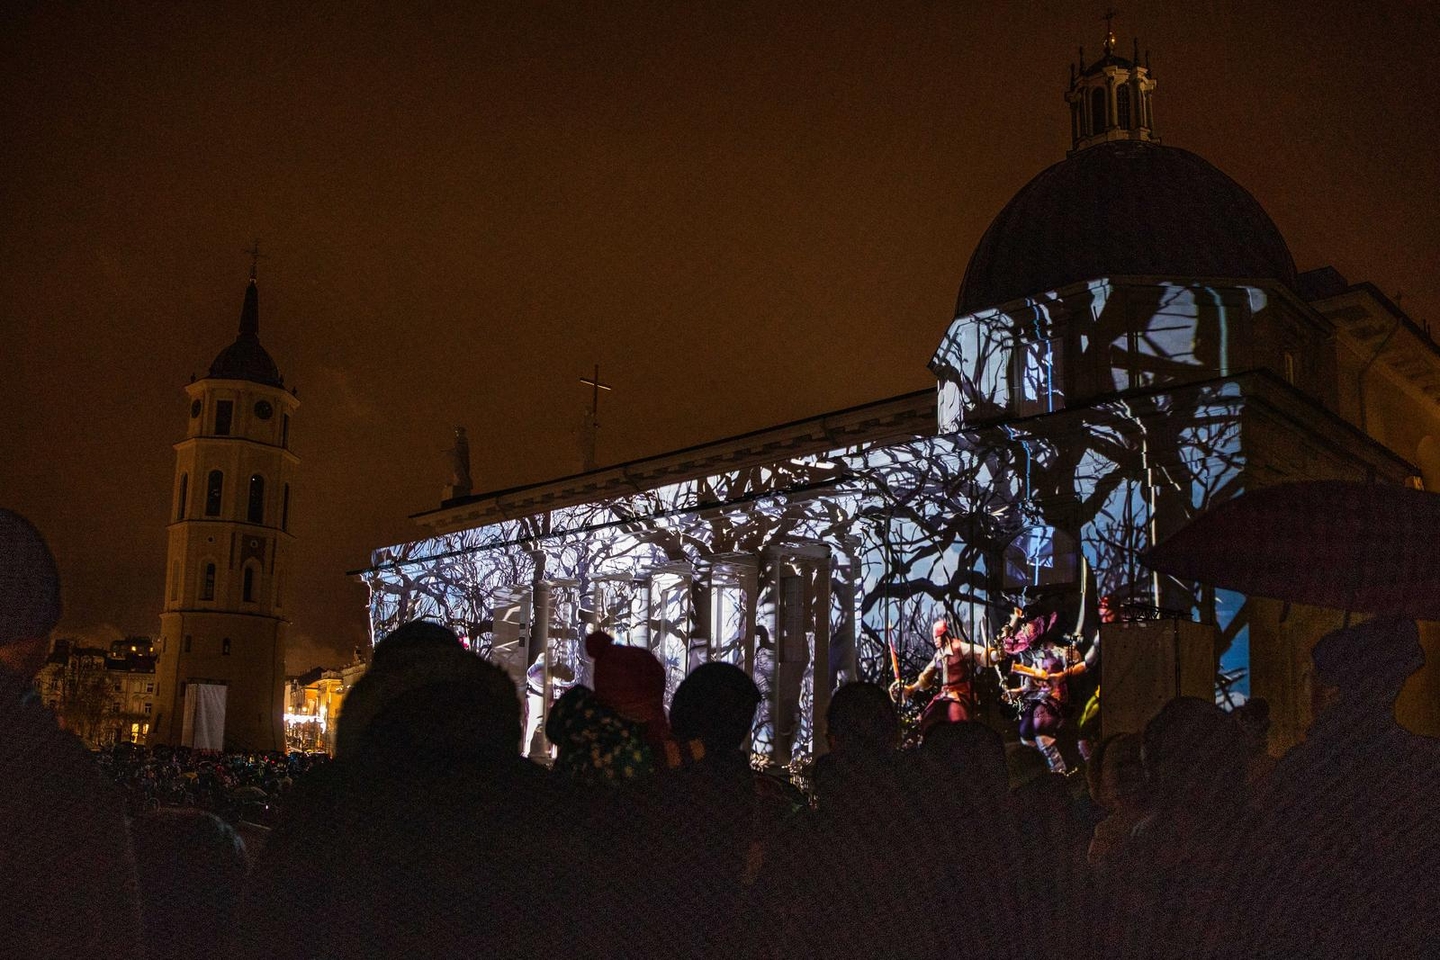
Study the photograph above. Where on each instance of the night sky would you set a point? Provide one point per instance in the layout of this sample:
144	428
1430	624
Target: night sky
746	213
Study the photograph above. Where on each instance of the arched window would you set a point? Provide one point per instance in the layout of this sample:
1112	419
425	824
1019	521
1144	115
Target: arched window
1097	111
207	583
247	591
1122	108
256	513
214	487
285	508
184	493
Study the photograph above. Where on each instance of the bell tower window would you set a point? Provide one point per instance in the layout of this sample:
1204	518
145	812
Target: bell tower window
256	511
184	493
207	585
1122	108
1097	111
285	508
224	415
214	487
247	591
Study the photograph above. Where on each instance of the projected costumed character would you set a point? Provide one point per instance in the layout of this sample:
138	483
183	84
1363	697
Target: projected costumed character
953	665
1045	695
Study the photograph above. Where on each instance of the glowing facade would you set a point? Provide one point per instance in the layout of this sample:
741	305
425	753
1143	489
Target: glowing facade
1131	346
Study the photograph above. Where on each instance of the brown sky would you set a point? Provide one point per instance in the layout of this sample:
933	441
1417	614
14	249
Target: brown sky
745	212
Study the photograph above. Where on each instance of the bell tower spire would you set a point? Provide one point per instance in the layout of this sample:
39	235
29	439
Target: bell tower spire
221	672
1110	99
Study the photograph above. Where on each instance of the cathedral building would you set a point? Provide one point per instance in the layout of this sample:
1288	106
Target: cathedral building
1131	345
221	671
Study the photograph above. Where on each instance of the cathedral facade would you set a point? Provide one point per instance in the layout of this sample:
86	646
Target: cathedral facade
1131	345
221	670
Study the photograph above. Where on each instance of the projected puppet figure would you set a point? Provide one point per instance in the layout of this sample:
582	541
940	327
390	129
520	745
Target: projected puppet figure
1044	694
954	665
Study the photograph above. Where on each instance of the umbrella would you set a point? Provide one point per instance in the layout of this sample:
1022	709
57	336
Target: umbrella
1361	547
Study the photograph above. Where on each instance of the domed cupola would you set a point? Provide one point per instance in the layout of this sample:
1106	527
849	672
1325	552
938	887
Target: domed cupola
246	359
1110	99
1121	204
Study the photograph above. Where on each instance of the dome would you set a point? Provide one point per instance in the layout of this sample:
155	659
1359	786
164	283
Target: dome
1124	208
245	359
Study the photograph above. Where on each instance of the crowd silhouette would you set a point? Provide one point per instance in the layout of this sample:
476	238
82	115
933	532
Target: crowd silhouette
430	835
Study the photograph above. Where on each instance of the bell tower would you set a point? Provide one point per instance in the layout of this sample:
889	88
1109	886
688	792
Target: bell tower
221	672
1110	99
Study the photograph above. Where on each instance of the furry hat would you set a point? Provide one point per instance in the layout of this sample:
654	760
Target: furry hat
630	681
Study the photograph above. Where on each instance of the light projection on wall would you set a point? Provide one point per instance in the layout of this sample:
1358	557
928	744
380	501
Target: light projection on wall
1046	484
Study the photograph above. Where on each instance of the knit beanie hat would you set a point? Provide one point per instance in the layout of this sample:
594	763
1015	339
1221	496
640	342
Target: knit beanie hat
630	681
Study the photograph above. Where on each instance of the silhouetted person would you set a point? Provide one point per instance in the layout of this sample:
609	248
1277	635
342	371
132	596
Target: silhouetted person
410	656
67	873
961	784
862	731
617	732
1115	776
433	836
1348	815
192	868
866	853
1176	883
716	819
1254	718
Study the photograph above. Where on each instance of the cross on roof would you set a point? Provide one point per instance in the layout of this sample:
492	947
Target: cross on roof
255	257
596	386
1109	18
